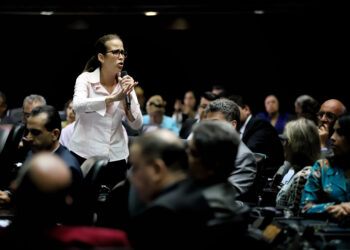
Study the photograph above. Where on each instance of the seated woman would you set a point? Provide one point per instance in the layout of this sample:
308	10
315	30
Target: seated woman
301	150
273	115
156	117
69	113
327	189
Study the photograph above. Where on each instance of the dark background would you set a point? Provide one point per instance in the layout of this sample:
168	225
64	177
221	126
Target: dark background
293	48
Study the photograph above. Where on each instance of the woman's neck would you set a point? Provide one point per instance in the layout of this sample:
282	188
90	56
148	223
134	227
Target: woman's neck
108	78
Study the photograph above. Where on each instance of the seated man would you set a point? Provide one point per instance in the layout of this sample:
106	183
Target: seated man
44	128
260	137
182	211
41	199
245	167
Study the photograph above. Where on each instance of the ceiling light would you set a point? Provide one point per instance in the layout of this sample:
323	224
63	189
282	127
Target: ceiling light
151	13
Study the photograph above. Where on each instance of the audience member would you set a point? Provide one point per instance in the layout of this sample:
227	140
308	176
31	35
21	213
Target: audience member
100	106
156	117
180	210
141	98
273	115
5	117
205	99
29	103
307	107
41	199
219	90
159	167
243	175
301	150
44	128
69	113
260	137
185	111
330	110
327	188
66	134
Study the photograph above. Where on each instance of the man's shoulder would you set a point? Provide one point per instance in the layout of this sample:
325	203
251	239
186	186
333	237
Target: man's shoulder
67	156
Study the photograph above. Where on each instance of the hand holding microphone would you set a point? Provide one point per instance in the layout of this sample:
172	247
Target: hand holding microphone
127	98
127	87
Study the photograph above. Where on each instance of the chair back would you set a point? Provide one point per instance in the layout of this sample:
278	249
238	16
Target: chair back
93	191
253	197
10	137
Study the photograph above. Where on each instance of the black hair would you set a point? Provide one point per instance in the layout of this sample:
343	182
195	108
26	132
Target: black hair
53	117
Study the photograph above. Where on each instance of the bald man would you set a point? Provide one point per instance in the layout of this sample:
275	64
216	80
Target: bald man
329	112
41	199
41	189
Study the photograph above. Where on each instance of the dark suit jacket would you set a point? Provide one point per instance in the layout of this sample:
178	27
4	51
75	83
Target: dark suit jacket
261	137
186	128
179	217
70	160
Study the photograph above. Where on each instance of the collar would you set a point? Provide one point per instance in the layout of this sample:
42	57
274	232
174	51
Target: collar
56	148
241	131
93	78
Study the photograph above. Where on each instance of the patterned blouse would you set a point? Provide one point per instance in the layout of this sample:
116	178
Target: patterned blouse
289	196
326	186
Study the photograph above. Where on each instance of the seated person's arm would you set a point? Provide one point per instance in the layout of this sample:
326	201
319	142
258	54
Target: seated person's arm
310	202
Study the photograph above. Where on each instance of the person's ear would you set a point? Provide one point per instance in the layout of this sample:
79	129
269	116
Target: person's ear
101	57
69	200
159	169
56	133
234	123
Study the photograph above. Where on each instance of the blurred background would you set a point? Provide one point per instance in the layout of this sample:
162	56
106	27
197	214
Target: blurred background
253	48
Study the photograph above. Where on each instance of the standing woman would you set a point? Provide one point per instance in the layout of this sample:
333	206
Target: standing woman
99	104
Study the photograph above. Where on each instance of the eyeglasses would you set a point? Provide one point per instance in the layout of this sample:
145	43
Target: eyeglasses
34	132
329	115
118	52
158	105
26	114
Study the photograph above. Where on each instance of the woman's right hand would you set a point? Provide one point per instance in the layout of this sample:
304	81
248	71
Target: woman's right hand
126	84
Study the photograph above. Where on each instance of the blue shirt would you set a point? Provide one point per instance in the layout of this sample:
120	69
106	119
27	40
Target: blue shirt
281	121
167	123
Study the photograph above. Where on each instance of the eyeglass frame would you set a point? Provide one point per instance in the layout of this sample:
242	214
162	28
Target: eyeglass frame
330	116
118	52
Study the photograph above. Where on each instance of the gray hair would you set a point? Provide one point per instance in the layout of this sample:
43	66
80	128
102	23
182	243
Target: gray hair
304	141
301	99
226	107
34	99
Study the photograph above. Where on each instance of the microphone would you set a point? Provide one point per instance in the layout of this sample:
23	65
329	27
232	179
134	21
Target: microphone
127	98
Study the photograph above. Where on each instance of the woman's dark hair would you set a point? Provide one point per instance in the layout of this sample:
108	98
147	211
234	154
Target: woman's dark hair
100	47
344	124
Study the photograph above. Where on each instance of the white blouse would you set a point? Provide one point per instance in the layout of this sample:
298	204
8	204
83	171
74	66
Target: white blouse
98	130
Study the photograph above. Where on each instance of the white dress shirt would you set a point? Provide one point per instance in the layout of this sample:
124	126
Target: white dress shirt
98	128
242	129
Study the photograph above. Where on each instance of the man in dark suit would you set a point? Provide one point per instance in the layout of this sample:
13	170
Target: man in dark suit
181	211
44	129
41	198
186	127
261	137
